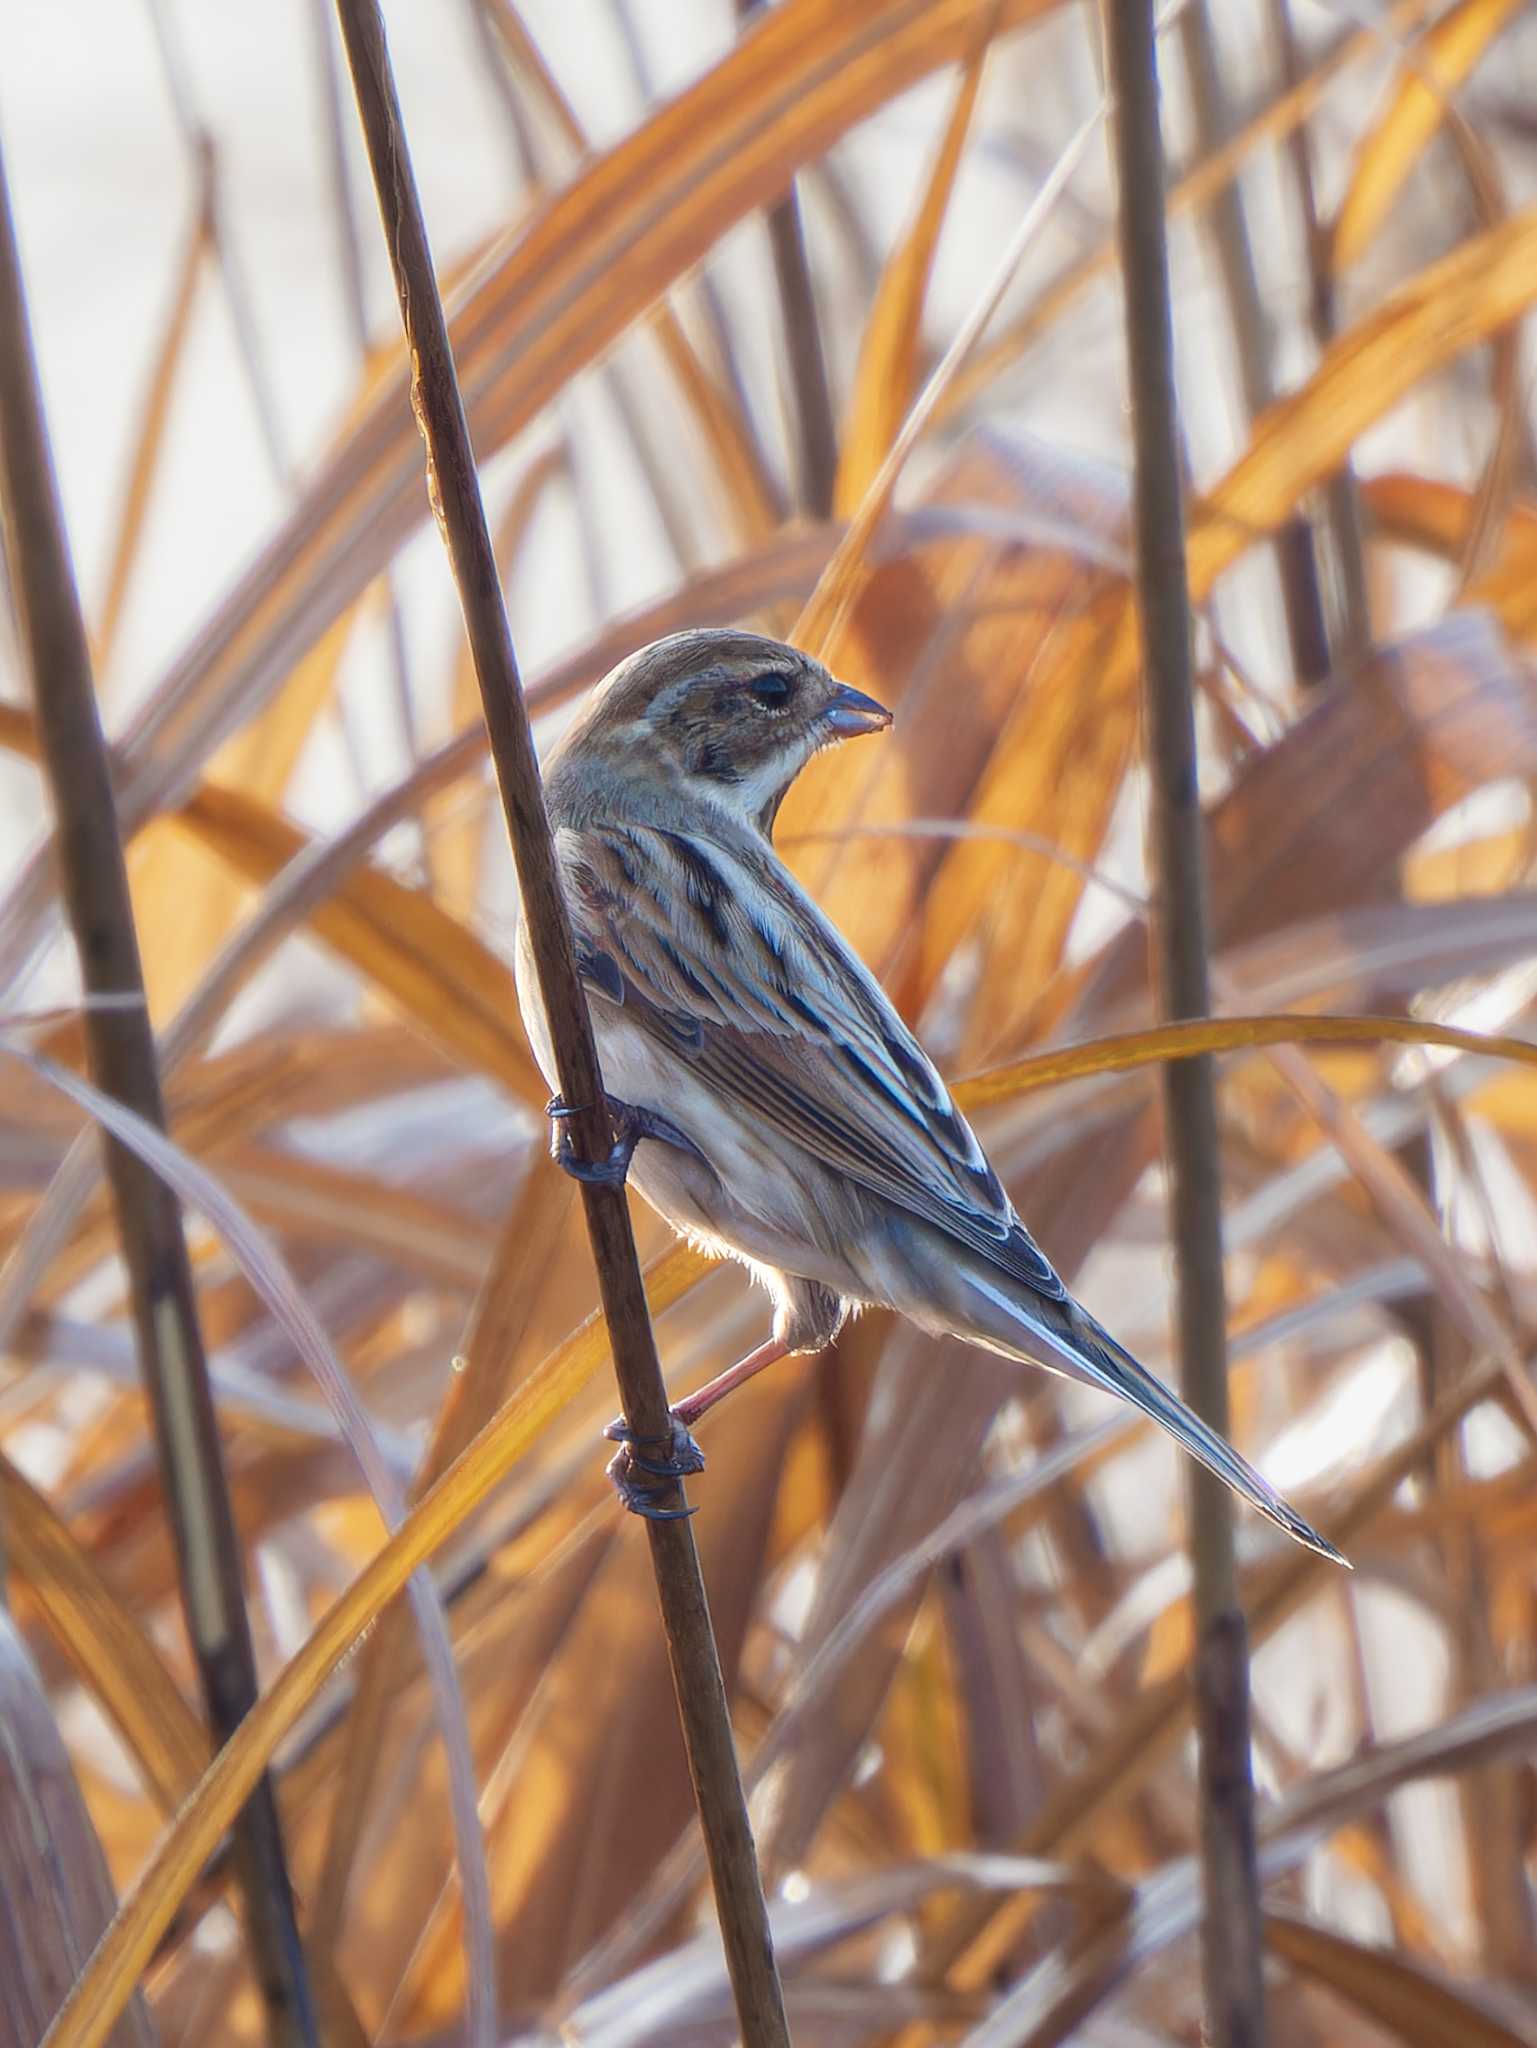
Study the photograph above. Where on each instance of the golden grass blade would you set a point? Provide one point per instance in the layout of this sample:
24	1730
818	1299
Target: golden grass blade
1439	517
885	379
1469	295
1224	1034
429	964
103	1641
259	761
99	1994
1439	63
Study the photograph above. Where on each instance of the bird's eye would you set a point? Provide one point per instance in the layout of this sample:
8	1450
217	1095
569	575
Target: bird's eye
772	691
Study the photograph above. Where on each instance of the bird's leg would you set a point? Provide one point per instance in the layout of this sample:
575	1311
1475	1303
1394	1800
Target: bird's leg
692	1406
629	1124
682	1455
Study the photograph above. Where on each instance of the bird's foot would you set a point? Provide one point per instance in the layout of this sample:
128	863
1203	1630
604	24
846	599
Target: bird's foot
629	1125
639	1475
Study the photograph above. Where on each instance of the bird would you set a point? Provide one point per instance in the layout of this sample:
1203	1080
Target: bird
767	1099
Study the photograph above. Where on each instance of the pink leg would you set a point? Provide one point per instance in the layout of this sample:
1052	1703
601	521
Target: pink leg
689	1410
680	1455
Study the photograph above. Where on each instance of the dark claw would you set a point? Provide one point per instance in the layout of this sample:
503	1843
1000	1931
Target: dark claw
682	1458
630	1125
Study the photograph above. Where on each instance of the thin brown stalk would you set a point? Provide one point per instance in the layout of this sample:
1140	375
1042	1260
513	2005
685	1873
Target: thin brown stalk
455	489
1253	331
816	435
1231	1947
199	142
149	442
1341	506
122	1055
349	264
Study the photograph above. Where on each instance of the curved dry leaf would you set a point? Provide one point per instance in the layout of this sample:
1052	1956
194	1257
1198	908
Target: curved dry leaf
439	973
114	1657
886	375
259	761
55	1891
1449	307
1414	2006
1440	517
1428	78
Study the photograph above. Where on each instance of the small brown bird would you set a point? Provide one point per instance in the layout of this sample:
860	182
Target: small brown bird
778	1110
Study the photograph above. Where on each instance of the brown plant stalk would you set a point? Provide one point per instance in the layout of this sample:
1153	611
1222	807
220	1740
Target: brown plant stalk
1231	1946
121	1047
455	490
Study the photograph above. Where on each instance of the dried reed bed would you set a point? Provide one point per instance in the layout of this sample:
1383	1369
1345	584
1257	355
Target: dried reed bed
952	1603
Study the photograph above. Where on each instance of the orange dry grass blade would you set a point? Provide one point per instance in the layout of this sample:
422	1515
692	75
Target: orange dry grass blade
1440	61
1440	517
886	379
435	969
103	1641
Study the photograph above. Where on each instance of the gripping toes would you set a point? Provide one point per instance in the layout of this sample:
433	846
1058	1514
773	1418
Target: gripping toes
639	1474
629	1126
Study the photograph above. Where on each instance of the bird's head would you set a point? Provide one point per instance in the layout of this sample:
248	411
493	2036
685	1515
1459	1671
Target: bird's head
726	717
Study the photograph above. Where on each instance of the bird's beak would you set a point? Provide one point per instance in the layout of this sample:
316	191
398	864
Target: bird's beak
852	712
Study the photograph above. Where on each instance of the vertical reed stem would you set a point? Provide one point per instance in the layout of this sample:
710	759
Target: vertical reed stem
121	1046
1231	1948
455	489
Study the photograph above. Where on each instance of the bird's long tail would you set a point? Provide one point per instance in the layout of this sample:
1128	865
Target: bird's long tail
1071	1341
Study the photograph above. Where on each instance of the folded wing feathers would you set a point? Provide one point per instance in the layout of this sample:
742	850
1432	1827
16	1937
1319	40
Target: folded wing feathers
738	972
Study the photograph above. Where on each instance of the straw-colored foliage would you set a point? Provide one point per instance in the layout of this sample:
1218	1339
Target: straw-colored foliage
950	1596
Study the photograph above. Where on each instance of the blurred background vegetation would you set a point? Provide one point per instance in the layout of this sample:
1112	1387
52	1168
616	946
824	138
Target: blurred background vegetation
951	1597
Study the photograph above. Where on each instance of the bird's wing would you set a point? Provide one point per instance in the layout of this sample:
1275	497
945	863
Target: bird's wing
718	954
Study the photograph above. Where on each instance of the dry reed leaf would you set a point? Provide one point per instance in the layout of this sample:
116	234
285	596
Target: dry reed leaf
1277	121
749	493
322	1205
503	1323
974	641
600	1759
1428	80
1439	517
441	976
149	439
1468	296
1388	1989
55	1893
112	1654
259	762
886	379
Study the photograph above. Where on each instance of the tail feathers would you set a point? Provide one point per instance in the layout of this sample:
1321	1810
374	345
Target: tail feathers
1087	1351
